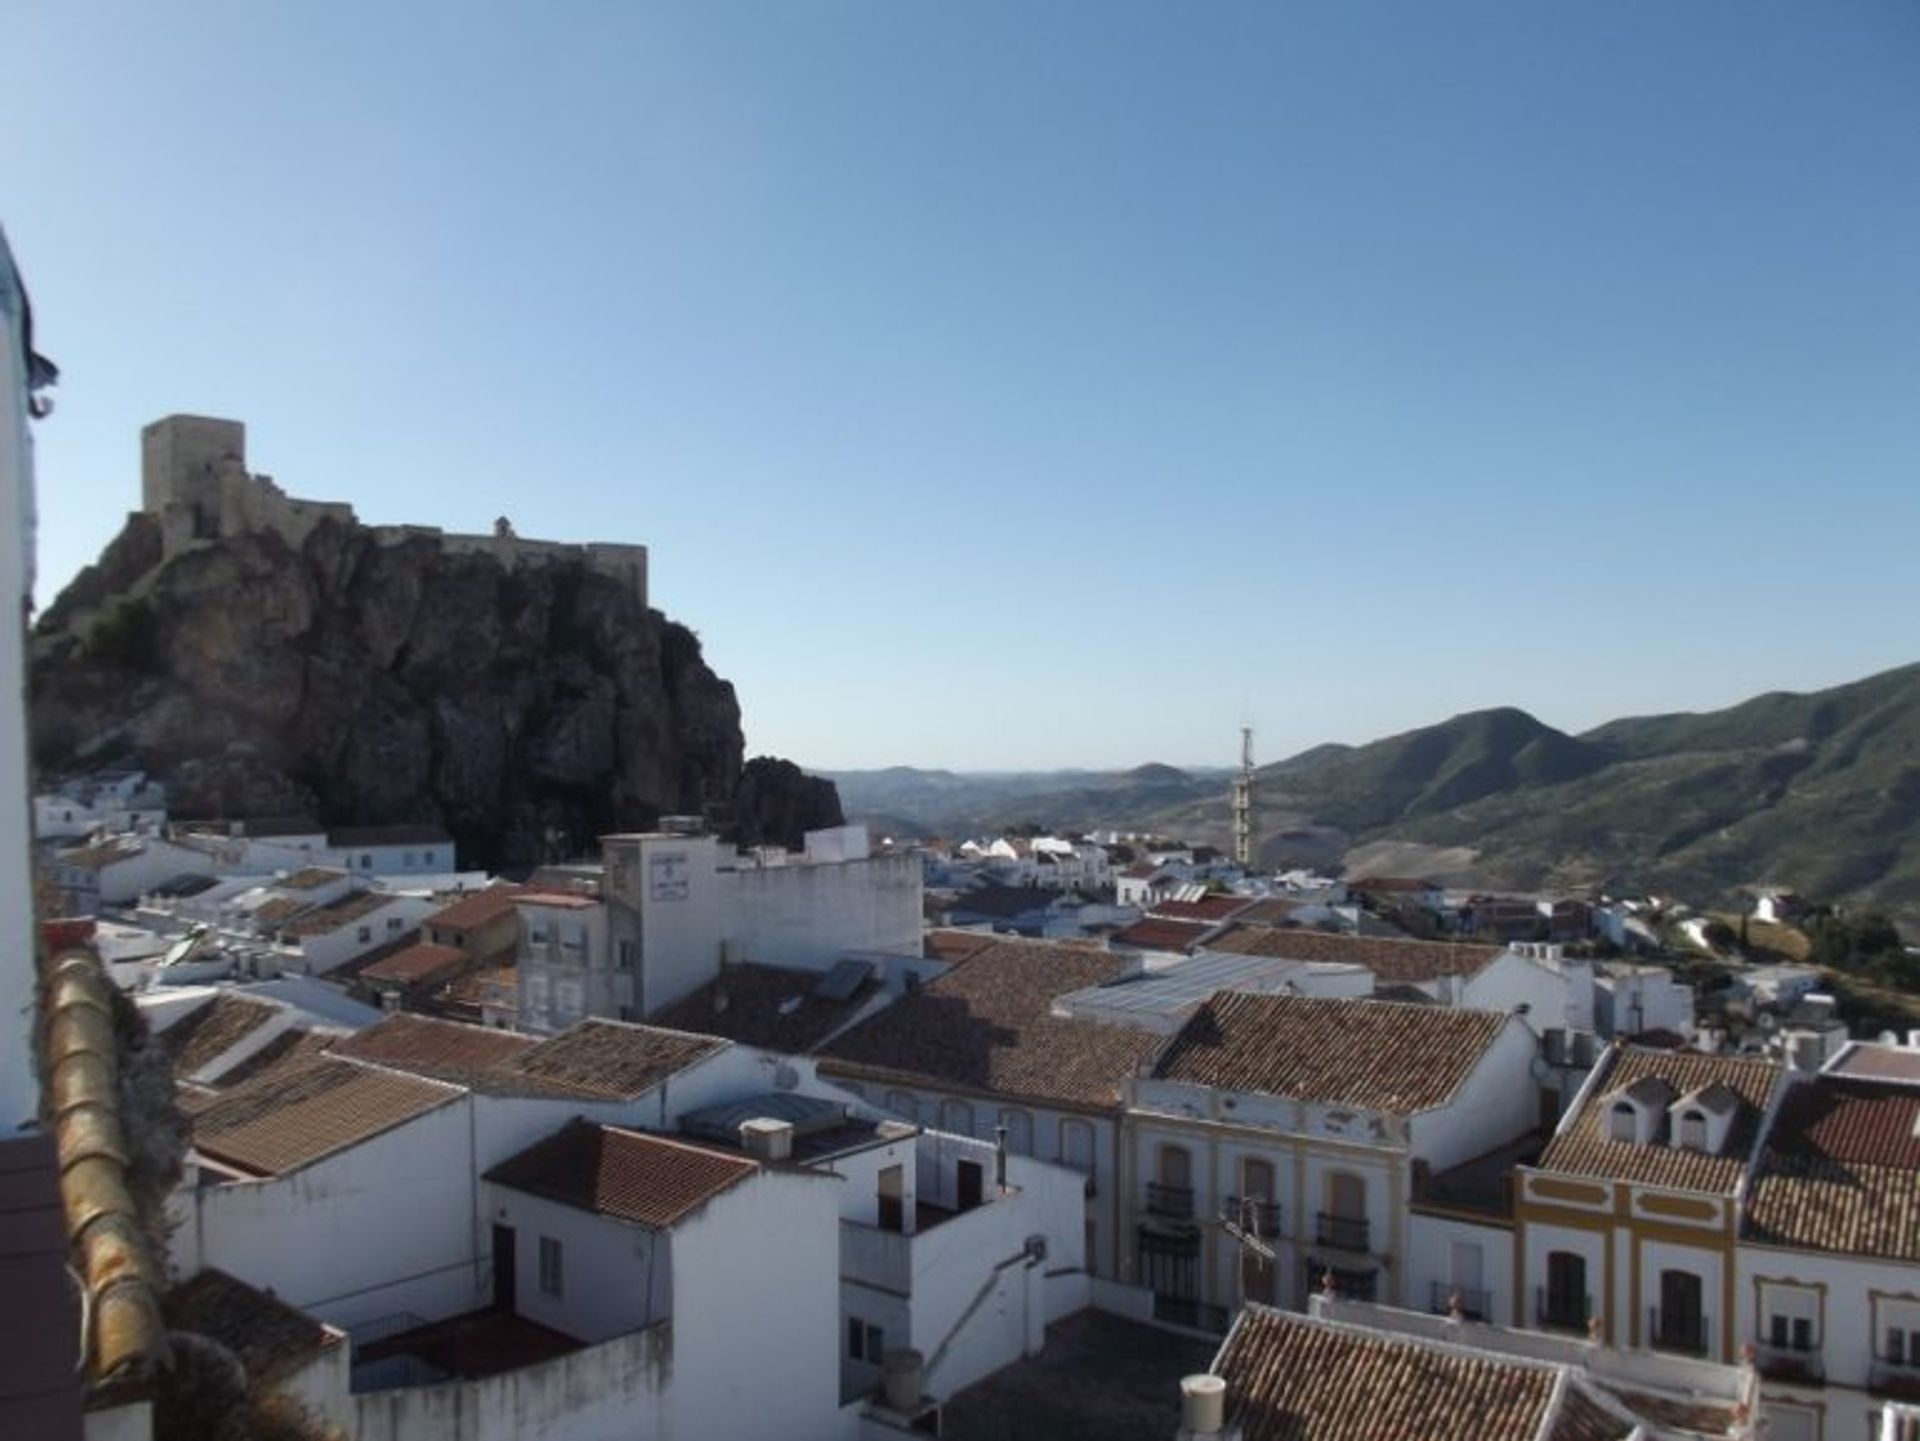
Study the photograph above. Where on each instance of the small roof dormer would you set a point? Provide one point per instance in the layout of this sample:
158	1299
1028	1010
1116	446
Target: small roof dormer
1636	1112
1701	1119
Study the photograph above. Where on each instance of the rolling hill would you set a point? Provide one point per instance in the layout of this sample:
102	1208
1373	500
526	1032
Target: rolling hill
1817	791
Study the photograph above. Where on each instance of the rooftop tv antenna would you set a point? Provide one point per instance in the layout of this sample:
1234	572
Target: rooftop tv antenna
1243	803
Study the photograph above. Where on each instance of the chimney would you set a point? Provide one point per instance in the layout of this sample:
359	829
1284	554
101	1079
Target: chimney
1203	1406
766	1139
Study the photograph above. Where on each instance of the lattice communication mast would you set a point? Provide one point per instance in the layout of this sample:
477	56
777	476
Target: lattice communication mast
1243	848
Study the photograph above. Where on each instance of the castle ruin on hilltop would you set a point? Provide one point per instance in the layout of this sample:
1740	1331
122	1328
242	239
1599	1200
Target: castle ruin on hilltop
194	482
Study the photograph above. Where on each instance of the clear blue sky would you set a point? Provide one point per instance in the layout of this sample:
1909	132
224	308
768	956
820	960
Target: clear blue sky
1016	385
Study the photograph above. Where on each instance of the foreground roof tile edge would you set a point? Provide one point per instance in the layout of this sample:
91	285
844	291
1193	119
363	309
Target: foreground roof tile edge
120	1273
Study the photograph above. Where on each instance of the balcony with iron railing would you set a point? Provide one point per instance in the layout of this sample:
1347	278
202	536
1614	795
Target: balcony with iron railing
1252	1215
1342	1233
1474	1302
1561	1310
1169	1203
1787	1362
1677	1331
1896	1376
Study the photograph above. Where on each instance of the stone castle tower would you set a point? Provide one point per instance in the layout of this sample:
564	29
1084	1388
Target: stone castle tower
194	481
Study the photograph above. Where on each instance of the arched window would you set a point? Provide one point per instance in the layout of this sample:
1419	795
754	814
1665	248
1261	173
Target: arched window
956	1116
1346	1195
1019	1126
1693	1131
1623	1122
1076	1146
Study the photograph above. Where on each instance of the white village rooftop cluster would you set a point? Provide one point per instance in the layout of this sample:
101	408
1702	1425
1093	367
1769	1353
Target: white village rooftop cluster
679	1139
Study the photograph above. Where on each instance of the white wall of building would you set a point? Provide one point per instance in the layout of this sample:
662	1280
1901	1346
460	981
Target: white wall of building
807	916
1052	1131
381	1228
1556	990
1498	1102
620	1390
614	1276
19	1086
756	1311
1440	1251
315	955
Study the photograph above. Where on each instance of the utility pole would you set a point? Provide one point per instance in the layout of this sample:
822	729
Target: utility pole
1243	844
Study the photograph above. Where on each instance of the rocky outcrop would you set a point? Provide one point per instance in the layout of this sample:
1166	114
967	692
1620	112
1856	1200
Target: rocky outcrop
777	803
526	710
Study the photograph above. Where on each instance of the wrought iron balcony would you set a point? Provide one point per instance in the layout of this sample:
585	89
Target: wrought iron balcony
1895	1376
1343	1233
1561	1310
1788	1363
1172	1203
1476	1303
1676	1331
1256	1217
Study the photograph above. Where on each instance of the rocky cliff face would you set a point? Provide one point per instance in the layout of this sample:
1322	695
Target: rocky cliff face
527	710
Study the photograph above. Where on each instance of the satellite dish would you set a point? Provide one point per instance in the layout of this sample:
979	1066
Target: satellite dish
785	1078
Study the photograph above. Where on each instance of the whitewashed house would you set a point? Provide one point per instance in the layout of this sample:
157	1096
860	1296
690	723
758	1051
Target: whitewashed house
1827	1284
980	1047
1297	1125
326	937
392	850
120	869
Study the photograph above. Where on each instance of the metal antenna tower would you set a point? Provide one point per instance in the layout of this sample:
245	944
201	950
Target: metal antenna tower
1243	848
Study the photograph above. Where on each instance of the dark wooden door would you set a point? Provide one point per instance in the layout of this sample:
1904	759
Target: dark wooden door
503	1267
973	1181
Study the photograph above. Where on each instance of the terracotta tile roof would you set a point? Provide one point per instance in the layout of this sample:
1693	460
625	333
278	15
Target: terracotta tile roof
1003	903
343	912
411	965
1582	1417
613	1058
280	1123
755	1006
1391	961
1211	909
268	914
429	1046
1581	1146
1380	1055
205	1034
101	854
616	1172
1154	934
288	1051
1841	1171
987	1026
477	909
1270	912
1292	1378
311	878
80	1056
1870	1061
565	900
942	944
270	1337
1141	871
1705	1418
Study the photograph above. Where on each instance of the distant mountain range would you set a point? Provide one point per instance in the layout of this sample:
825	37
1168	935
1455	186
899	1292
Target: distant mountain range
1818	792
